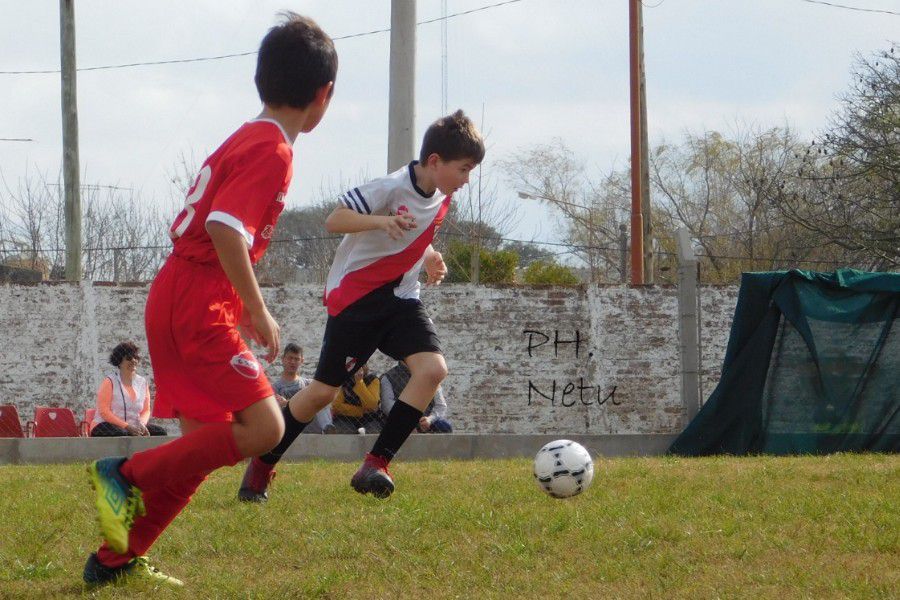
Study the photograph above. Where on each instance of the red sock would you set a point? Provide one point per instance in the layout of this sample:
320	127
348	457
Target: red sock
198	453
163	504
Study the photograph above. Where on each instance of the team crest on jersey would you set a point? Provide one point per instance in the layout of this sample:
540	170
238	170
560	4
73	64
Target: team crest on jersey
350	363
246	364
402	209
280	198
267	232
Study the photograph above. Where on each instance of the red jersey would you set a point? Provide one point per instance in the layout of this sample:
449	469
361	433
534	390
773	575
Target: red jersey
242	184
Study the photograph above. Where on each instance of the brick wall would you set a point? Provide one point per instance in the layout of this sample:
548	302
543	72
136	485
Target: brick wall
598	359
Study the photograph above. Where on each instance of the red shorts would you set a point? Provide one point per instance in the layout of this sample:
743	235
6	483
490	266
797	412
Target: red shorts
202	368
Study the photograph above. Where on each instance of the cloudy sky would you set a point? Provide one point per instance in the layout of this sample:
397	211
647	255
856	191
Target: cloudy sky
529	70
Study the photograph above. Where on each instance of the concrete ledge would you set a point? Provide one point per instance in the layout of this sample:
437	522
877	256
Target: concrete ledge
348	448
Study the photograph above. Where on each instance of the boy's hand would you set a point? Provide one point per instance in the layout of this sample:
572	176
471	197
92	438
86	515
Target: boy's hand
435	268
397	224
263	329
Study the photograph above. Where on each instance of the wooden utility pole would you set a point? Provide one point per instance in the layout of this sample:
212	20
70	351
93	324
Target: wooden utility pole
72	187
402	94
637	224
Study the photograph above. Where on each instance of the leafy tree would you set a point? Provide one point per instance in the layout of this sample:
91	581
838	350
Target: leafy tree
497	266
549	272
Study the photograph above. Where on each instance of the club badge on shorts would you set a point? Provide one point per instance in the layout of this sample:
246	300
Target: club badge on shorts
246	364
350	363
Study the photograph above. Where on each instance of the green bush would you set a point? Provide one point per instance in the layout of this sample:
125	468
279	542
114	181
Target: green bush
549	272
497	266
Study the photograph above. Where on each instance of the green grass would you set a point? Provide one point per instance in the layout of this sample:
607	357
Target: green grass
762	527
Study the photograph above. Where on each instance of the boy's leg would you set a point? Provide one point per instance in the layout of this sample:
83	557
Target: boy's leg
164	504
427	371
299	412
255	430
347	344
167	476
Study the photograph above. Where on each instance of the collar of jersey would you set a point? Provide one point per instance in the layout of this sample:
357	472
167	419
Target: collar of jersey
412	179
276	124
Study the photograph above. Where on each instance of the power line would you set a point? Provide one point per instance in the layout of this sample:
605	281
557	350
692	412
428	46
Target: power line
856	8
249	53
16	140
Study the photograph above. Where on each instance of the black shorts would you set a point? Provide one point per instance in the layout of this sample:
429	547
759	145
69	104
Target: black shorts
400	329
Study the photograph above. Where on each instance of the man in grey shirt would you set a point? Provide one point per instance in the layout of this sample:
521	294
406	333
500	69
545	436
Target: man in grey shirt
291	382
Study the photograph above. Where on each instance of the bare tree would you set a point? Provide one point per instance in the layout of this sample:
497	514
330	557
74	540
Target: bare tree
31	228
551	174
847	187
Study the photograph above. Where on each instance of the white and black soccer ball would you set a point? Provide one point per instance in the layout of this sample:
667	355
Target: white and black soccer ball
563	468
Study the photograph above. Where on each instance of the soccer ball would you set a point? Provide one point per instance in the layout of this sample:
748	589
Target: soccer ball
563	468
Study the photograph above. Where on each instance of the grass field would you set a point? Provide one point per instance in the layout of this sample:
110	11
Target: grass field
759	527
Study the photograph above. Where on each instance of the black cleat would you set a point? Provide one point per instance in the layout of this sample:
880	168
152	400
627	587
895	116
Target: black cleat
373	478
97	574
256	481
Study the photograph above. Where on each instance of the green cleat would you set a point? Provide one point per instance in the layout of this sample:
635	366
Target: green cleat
117	501
138	569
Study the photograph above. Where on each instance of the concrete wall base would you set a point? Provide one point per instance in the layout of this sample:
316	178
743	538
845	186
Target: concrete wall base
348	448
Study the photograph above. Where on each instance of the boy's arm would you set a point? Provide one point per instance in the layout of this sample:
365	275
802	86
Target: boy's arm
344	220
435	268
235	260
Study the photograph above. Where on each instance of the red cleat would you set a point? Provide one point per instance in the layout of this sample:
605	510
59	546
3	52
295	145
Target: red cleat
373	478
256	480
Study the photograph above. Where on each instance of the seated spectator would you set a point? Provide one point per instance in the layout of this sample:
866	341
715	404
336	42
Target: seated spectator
123	400
291	382
355	406
434	420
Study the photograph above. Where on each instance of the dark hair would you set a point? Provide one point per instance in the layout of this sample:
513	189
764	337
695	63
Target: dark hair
292	347
123	351
295	59
453	137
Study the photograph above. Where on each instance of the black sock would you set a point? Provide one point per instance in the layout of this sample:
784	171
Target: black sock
292	428
400	423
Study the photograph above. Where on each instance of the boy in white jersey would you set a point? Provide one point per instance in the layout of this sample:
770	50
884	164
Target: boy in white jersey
372	296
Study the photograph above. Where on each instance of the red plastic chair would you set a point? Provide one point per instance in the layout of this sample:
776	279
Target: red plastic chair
50	421
10	426
86	422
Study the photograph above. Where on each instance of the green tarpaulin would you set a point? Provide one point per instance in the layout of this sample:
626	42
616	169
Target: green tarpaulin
812	367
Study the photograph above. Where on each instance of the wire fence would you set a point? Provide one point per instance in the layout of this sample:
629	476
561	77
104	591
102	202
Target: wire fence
299	260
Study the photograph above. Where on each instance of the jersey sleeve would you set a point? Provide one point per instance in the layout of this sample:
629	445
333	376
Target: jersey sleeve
368	199
254	182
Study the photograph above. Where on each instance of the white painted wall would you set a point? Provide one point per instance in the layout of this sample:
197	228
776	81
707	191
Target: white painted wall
55	339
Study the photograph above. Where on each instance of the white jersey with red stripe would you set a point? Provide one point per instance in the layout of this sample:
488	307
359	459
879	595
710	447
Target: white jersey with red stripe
368	260
242	184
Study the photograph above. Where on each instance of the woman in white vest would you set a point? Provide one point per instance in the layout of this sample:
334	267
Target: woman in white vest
123	400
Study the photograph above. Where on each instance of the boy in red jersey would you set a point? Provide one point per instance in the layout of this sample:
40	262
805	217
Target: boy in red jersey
372	297
202	301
